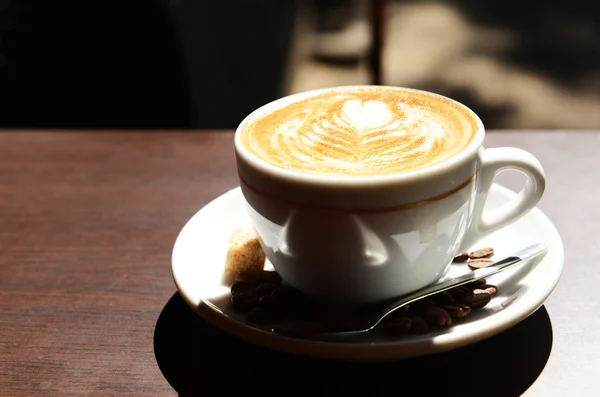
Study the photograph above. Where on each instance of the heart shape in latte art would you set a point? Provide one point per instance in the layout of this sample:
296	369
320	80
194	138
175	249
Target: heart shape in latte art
367	115
363	132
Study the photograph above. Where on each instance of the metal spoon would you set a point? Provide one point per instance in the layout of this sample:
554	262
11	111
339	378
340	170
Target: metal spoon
369	322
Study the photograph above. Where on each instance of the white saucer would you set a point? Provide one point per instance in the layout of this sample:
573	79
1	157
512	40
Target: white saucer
199	256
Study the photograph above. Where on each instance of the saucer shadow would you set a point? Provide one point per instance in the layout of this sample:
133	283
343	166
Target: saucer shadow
198	359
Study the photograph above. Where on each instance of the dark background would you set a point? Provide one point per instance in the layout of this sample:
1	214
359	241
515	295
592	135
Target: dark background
206	64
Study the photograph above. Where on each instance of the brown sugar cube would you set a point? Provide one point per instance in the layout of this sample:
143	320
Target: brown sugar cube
245	256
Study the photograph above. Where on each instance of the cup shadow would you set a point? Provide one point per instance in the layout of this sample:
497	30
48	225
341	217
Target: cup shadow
199	359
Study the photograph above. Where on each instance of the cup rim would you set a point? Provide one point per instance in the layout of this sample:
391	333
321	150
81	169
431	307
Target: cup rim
355	180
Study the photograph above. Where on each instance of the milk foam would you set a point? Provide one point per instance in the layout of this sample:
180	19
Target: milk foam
361	131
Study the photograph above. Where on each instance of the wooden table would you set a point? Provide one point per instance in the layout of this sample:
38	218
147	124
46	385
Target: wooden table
88	305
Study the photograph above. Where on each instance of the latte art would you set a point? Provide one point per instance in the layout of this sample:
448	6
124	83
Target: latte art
376	130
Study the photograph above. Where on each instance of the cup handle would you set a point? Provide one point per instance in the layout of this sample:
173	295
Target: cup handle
494	161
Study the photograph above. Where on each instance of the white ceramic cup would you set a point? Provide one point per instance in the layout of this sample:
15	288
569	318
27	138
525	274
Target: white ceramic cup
369	238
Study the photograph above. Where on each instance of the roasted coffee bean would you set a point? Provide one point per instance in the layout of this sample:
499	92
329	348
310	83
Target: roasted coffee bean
244	302
250	276
442	298
458	310
462	257
476	284
481	291
482	253
438	317
302	307
241	287
259	316
477	300
398	326
265	289
287	294
479	263
271	304
267	276
399	313
460	291
421	306
418	324
492	289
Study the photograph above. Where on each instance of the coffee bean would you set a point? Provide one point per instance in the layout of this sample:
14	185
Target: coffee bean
286	294
482	253
477	300
397	326
267	276
438	317
418	325
476	284
442	298
259	316
479	263
296	302
399	313
492	289
241	287
244	302
462	257
248	276
271	304
459	292
421	306
458	310
265	289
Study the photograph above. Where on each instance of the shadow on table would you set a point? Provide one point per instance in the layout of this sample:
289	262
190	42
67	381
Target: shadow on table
198	359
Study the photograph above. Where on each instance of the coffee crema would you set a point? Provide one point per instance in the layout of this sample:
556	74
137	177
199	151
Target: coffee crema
360	131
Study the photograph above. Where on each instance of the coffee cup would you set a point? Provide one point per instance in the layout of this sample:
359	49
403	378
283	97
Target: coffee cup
365	193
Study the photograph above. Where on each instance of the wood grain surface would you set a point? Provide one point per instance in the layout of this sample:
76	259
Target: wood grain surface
87	224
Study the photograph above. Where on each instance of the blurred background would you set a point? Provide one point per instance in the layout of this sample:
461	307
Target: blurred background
206	64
